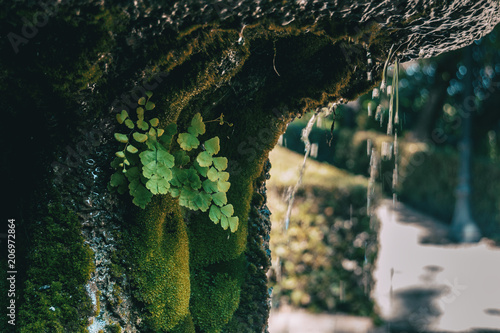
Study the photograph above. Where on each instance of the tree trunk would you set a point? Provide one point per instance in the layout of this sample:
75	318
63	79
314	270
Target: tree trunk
463	228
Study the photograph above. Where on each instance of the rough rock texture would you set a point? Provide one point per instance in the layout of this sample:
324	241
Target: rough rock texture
67	67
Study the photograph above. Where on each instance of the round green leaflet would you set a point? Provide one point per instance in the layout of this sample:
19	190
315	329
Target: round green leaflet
197	126
227	210
223	186
154	122
158	184
131	149
140	113
214	214
121	137
117	179
202	201
220	163
212	174
141	195
193	179
224	222
209	186
139	137
202	170
188	141
129	123
219	198
121	116
223	176
204	159
181	159
213	145
233	223
143	125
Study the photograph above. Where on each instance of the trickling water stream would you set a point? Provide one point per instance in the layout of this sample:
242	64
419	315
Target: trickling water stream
293	190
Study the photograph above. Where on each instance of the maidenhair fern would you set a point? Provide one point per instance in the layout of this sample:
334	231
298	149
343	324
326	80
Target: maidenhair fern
145	166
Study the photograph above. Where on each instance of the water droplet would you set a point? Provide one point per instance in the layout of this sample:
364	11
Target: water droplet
396	146
395	177
386	150
366	260
371	182
341	286
319	122
378	113
314	150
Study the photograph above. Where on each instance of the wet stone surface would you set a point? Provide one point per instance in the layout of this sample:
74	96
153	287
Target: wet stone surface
84	187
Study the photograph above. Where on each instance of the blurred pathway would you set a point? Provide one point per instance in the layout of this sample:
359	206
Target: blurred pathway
424	283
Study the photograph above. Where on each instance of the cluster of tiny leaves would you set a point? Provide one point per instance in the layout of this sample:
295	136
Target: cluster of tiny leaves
146	167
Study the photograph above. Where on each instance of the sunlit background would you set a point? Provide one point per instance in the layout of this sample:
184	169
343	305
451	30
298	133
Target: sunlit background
341	264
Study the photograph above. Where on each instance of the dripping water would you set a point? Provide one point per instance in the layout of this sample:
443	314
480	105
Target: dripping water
292	191
387	149
371	182
314	150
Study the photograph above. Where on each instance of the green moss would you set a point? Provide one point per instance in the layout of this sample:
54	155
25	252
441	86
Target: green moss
55	299
185	326
160	263
215	297
113	328
117	292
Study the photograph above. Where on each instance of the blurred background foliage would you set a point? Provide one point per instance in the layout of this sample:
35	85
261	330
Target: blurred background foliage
324	261
432	106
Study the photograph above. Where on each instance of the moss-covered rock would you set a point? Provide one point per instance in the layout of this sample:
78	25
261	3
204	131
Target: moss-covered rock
215	297
68	67
54	298
159	257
